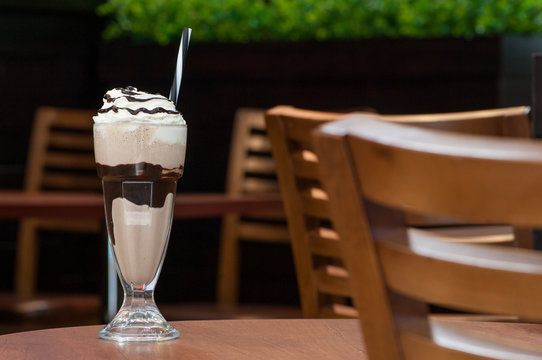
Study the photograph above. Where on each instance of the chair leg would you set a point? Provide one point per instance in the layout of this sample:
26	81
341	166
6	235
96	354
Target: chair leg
524	238
26	259
228	264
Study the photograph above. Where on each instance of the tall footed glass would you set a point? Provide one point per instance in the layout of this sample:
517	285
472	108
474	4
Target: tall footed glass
139	165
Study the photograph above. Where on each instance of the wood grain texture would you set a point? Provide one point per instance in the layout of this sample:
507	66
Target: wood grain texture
201	340
306	206
383	170
298	339
306	201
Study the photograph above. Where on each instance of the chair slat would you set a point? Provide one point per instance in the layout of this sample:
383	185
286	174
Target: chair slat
260	165
332	279
259	143
70	160
263	232
305	165
71	141
82	225
325	242
338	311
259	185
299	123
316	203
70	182
432	280
71	119
277	216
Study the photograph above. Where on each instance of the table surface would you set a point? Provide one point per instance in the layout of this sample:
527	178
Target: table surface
217	339
20	204
263	339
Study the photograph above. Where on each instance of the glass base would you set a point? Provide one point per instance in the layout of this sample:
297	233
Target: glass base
142	324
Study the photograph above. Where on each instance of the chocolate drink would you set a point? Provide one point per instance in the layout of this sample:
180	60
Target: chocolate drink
140	144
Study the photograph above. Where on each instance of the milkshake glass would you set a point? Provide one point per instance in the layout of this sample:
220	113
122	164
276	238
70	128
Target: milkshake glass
140	145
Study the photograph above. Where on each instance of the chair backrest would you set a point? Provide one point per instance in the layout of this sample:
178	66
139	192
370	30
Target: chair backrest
60	158
251	170
251	167
61	152
322	278
376	171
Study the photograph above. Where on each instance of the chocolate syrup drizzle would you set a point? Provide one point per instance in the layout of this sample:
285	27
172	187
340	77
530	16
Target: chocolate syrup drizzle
130	92
115	108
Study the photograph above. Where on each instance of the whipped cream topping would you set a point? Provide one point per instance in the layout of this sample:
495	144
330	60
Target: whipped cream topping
131	105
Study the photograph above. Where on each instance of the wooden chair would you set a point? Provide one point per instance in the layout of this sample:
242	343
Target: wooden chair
60	158
251	169
322	279
375	172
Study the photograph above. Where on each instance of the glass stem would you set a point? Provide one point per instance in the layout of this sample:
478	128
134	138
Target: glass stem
137	298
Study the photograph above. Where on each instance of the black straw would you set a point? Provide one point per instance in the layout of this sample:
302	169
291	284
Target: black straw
181	56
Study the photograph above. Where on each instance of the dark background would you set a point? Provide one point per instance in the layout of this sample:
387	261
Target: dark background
52	54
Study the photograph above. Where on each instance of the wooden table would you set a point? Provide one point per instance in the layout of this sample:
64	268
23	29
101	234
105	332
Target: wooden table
271	339
19	204
310	339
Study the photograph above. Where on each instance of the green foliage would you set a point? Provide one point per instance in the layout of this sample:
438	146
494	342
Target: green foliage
161	21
